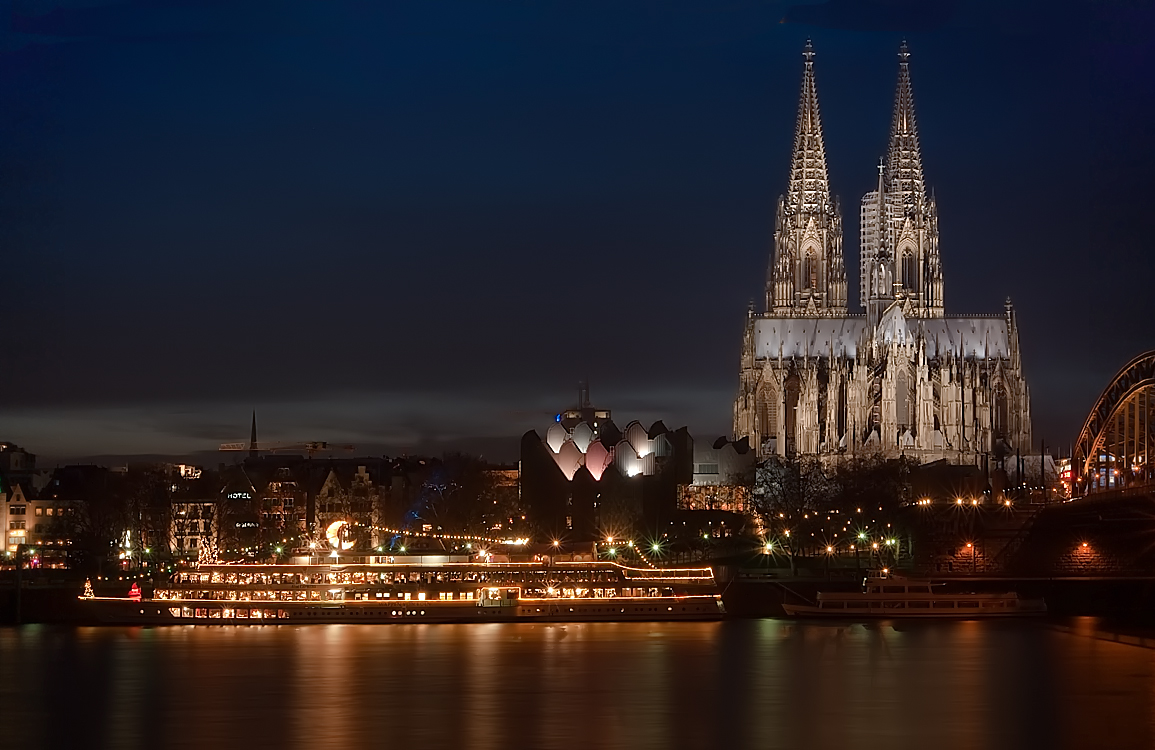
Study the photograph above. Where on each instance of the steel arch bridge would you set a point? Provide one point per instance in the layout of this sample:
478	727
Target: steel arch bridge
1116	441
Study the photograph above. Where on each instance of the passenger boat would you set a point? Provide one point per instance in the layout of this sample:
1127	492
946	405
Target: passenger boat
408	592
889	596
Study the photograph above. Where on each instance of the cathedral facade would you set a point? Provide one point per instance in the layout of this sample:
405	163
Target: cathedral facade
903	377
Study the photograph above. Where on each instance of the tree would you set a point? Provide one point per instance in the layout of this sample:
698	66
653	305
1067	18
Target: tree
787	496
457	496
874	482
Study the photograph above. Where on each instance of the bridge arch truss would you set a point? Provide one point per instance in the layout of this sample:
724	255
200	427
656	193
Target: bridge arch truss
1115	444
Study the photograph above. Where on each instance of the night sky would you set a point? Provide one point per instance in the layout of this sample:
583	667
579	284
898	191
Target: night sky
417	225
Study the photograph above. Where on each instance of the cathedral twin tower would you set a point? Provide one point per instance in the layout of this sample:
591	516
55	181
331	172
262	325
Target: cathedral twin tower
899	237
901	378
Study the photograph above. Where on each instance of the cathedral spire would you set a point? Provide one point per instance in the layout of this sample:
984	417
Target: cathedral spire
809	184
807	276
903	159
899	236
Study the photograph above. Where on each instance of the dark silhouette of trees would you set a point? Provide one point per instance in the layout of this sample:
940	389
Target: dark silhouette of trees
805	506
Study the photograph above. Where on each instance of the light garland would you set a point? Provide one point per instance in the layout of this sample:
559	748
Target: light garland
431	535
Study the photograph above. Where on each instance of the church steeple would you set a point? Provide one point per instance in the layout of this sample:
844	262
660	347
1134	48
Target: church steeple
900	221
809	182
807	276
903	159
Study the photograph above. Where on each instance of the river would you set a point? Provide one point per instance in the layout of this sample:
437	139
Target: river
737	684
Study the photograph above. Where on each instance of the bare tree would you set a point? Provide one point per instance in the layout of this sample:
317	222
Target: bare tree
787	496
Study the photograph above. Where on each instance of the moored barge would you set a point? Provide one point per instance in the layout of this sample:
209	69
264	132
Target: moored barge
888	596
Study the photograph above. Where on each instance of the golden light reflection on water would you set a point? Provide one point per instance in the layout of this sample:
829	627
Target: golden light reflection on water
758	683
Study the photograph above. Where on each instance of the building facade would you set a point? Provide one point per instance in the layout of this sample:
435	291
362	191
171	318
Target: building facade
903	377
192	526
33	512
723	477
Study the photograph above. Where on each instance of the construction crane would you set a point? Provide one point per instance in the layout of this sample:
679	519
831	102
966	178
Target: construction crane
254	448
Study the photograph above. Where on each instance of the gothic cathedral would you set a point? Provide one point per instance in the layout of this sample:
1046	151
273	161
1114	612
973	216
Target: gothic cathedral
903	377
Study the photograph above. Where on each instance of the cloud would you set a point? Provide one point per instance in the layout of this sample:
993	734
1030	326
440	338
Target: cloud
396	422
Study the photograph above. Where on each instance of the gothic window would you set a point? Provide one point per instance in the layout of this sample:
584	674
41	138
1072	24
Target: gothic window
902	399
767	412
1001	414
792	388
822	406
810	270
874	418
841	414
909	271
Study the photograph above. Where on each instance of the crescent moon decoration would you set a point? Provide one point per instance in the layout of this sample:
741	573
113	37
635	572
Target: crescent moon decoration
334	535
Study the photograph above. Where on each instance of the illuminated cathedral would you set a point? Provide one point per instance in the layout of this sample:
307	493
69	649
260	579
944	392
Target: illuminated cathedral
901	378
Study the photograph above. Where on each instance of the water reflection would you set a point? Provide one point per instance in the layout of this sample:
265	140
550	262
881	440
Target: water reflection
758	683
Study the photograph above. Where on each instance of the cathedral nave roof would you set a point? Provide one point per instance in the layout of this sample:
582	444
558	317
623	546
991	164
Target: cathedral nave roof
971	336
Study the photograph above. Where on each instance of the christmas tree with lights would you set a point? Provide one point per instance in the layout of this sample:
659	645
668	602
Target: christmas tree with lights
87	589
208	552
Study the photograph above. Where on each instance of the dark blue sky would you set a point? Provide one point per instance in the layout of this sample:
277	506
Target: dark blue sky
407	224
